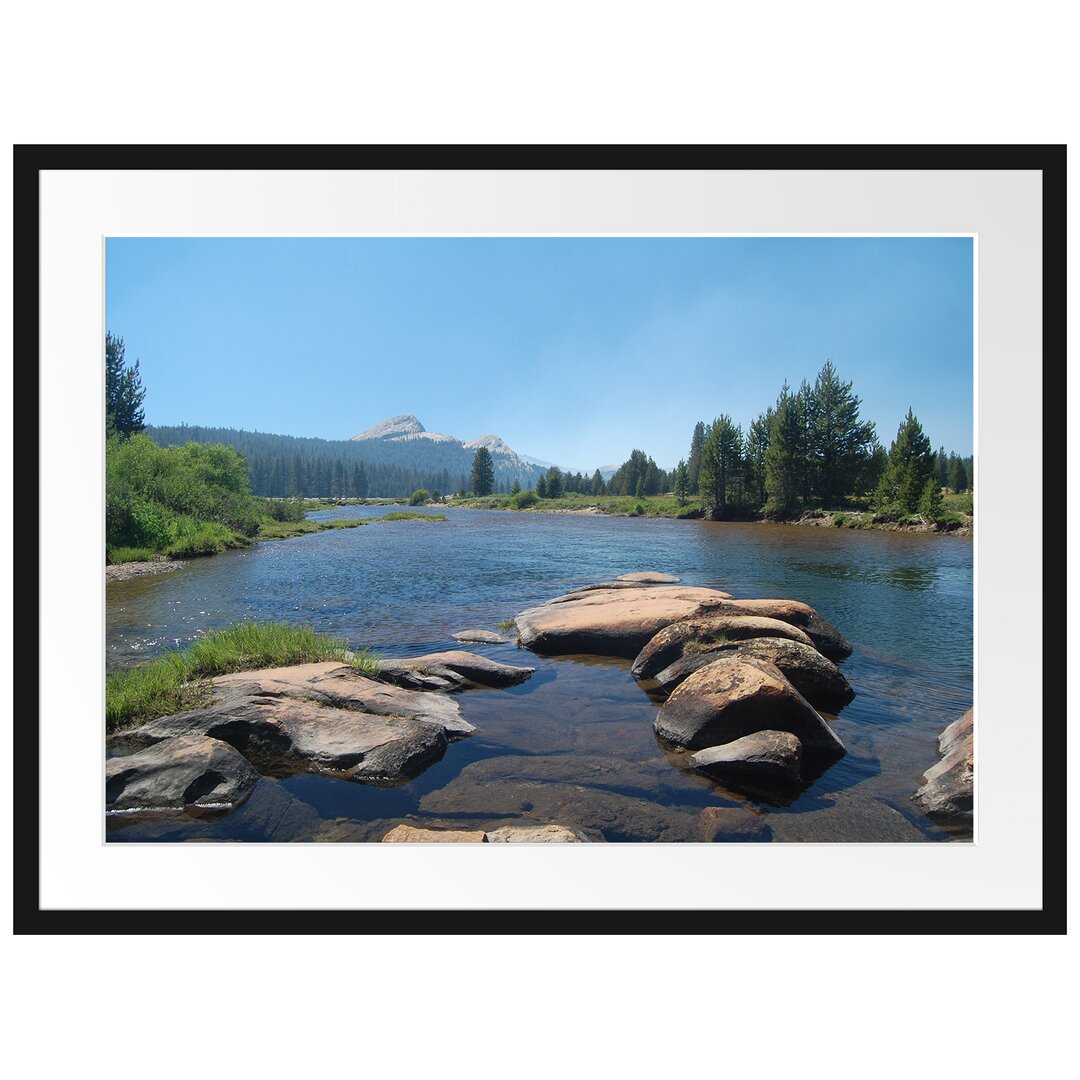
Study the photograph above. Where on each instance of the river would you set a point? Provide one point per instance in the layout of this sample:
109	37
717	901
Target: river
575	743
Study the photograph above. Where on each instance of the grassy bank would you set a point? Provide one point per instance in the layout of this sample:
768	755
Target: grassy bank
619	505
409	515
955	516
179	680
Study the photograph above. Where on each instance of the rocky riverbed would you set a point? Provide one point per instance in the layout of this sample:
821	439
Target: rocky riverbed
739	685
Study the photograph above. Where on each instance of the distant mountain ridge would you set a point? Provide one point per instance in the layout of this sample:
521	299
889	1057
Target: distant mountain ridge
404	439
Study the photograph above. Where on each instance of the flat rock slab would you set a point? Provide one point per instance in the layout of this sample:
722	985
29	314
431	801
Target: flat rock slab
947	792
452	669
608	622
482	637
766	757
188	771
343	687
817	678
670	643
530	834
322	718
406	834
650	577
733	697
537	834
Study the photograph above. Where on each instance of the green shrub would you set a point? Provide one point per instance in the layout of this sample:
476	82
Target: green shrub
840	520
419	497
521	500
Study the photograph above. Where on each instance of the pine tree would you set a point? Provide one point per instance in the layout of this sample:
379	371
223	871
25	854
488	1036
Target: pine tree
721	461
785	455
554	483
596	487
516	487
757	444
942	467
697	441
483	472
911	464
682	482
124	393
838	442
957	479
930	502
541	486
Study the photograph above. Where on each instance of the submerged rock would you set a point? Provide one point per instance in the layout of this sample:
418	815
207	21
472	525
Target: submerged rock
452	669
608	622
817	678
324	718
612	815
483	637
765	757
686	635
182	772
948	789
649	577
731	824
737	696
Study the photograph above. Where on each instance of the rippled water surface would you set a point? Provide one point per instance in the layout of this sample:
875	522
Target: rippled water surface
575	743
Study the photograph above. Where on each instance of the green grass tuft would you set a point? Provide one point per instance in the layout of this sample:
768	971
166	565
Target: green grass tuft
179	680
410	515
505	625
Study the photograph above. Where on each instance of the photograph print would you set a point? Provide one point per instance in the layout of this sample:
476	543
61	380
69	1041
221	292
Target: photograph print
520	539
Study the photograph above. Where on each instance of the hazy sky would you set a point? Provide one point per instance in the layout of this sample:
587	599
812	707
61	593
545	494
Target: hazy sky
573	350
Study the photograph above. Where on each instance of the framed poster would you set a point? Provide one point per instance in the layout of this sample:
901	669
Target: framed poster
704	477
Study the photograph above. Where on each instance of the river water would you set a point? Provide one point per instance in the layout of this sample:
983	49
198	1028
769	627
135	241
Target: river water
575	743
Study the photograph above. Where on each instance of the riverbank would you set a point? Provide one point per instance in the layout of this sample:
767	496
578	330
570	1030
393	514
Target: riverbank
134	562
668	506
125	571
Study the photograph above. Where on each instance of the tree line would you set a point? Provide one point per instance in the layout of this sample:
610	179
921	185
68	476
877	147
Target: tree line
811	449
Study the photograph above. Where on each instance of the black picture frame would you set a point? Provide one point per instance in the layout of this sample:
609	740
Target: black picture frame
30	160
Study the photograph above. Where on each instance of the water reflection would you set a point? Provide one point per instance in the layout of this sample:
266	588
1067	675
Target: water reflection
914	578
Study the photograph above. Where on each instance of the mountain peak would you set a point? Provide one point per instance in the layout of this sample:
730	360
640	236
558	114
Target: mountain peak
396	426
492	443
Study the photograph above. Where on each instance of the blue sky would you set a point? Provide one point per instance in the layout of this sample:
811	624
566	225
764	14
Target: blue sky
574	350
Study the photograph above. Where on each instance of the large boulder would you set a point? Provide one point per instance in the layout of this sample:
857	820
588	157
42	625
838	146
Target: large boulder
948	788
178	773
670	643
608	622
766	757
818	679
323	718
452	669
826	638
737	696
